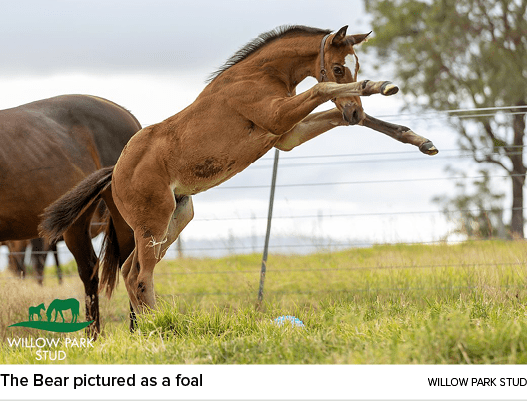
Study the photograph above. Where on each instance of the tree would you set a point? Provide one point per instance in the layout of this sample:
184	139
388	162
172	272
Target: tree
477	214
464	54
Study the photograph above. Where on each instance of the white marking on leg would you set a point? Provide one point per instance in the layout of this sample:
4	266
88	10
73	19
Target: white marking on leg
153	242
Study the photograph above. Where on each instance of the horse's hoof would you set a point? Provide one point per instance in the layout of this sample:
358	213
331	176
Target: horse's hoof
389	88
428	148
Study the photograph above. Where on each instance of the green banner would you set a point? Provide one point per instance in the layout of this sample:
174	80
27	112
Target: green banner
355	383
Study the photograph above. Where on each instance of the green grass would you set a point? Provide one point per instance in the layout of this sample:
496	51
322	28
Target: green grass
398	304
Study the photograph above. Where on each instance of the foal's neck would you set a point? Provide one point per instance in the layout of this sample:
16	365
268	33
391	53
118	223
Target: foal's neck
292	59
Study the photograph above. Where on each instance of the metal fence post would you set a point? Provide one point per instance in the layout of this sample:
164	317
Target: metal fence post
268	231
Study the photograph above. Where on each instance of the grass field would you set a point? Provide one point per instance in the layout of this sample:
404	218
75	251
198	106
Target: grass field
397	304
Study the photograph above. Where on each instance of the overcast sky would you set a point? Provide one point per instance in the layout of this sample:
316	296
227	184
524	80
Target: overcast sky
154	36
154	56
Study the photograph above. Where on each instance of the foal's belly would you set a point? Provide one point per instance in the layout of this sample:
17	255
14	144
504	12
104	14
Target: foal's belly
200	169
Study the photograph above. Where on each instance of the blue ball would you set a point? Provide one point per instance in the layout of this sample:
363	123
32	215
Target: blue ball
295	322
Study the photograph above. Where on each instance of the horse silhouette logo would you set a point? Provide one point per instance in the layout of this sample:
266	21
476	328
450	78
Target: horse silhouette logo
60	305
35	310
56	307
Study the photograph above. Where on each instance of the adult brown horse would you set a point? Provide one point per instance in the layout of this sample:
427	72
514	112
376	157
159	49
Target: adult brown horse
47	147
248	107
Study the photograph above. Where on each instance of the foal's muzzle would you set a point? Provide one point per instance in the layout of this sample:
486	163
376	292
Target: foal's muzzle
351	111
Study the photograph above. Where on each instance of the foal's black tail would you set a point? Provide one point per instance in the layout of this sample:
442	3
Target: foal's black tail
60	215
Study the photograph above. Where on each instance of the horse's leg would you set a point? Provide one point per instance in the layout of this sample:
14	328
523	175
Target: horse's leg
129	277
74	313
138	271
401	133
157	220
183	214
318	123
331	90
38	257
312	126
133	318
280	115
78	240
125	240
53	248
138	275
16	257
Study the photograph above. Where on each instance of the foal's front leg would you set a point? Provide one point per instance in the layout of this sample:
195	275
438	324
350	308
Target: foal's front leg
278	113
290	111
309	128
401	133
318	123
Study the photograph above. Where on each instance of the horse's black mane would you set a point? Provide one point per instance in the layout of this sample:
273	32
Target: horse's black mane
263	40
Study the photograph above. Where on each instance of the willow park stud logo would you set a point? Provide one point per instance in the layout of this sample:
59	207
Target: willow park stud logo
46	348
57	306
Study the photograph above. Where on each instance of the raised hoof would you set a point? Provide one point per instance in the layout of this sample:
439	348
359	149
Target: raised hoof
428	148
389	88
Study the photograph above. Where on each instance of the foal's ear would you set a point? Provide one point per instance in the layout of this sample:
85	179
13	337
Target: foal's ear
340	36
359	38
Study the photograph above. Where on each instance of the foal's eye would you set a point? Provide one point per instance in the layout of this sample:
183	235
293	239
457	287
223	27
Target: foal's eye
338	70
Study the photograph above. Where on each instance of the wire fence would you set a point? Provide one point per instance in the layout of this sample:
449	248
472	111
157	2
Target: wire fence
233	245
318	243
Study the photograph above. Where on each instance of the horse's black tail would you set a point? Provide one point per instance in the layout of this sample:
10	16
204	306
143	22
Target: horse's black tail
61	214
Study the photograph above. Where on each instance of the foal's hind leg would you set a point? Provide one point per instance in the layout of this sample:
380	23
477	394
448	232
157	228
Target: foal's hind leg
147	206
150	248
183	214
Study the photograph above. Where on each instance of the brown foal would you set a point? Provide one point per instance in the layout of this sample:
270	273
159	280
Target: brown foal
248	107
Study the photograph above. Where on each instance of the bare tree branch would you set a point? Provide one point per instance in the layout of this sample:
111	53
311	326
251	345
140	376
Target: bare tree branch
487	158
